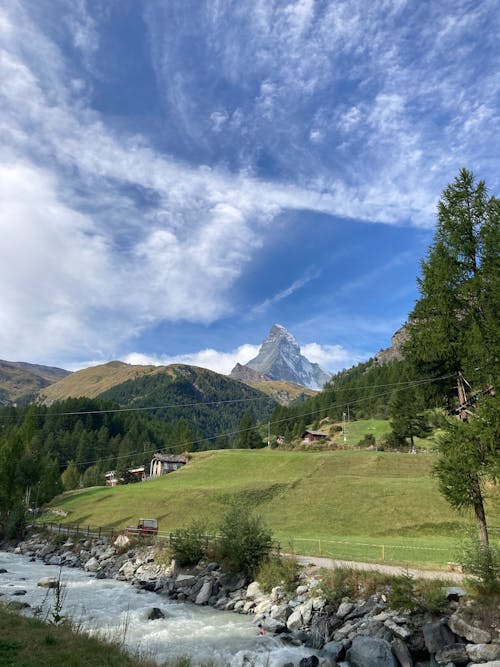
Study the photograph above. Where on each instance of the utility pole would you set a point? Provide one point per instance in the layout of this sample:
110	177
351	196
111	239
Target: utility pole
269	435
344	427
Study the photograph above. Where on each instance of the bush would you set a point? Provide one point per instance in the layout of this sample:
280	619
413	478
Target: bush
189	545
278	571
409	594
368	440
482	564
244	540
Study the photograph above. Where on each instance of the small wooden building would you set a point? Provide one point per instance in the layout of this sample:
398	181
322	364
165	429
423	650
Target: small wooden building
162	464
313	436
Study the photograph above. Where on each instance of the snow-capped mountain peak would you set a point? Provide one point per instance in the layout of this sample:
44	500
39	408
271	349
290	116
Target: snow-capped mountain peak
279	358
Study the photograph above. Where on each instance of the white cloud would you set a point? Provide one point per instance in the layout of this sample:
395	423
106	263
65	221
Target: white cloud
127	267
332	358
220	362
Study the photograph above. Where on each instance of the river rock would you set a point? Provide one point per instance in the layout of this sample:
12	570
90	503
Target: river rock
185	580
493	663
122	542
437	635
483	652
333	650
253	591
204	594
48	582
370	652
402	652
454	653
397	630
309	661
294	621
344	609
470	632
92	565
155	613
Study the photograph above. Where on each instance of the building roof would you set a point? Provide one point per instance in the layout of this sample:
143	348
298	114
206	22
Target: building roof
320	434
169	458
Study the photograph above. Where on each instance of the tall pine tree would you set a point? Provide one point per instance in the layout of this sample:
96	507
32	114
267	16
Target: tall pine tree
454	329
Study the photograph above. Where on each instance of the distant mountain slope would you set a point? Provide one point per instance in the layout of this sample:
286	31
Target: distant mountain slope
281	391
93	381
279	358
210	403
19	381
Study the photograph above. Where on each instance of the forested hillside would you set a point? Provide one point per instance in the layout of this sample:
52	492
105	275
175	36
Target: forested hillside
364	391
209	405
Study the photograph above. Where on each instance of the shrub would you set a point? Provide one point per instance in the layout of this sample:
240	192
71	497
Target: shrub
278	571
407	593
189	544
244	540
402	594
368	440
336	584
482	564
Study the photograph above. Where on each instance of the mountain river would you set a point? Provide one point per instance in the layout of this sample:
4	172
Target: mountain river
116	610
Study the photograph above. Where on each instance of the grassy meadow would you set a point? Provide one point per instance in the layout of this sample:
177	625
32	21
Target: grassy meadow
344	504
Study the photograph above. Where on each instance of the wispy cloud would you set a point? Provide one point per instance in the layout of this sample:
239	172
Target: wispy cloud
261	308
324	94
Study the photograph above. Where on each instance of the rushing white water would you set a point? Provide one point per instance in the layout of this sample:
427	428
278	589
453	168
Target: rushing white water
118	611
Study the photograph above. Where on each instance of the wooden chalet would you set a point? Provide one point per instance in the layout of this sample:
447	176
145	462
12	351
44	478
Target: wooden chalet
314	436
162	464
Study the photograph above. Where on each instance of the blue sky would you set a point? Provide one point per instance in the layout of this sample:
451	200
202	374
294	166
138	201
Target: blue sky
178	175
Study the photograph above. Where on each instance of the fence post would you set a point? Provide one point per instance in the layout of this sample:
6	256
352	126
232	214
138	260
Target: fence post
319	547
383	552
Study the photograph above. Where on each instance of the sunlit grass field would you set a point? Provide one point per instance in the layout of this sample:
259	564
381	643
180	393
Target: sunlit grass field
344	504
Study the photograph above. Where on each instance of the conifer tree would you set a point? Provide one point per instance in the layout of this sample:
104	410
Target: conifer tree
248	436
454	329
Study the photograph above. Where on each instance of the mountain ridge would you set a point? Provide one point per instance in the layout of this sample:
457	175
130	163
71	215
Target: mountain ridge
279	358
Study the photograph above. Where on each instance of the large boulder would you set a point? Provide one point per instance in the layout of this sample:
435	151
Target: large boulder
402	652
294	621
483	652
437	635
204	593
454	653
92	565
370	652
470	632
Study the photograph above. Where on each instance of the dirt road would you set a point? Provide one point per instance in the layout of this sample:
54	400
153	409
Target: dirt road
331	564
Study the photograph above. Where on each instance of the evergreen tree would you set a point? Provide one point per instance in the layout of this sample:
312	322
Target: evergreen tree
70	477
454	327
248	436
406	415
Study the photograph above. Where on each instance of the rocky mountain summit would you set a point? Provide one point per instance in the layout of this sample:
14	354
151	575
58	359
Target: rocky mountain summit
279	358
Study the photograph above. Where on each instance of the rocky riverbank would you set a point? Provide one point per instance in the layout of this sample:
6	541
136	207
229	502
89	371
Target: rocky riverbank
362	633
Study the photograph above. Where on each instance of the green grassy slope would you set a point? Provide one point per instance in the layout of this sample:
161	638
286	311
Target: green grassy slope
328	502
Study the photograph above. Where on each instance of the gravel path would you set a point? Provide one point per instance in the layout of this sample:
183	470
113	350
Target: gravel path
331	564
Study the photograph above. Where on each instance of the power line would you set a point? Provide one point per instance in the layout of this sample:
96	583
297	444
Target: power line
182	446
